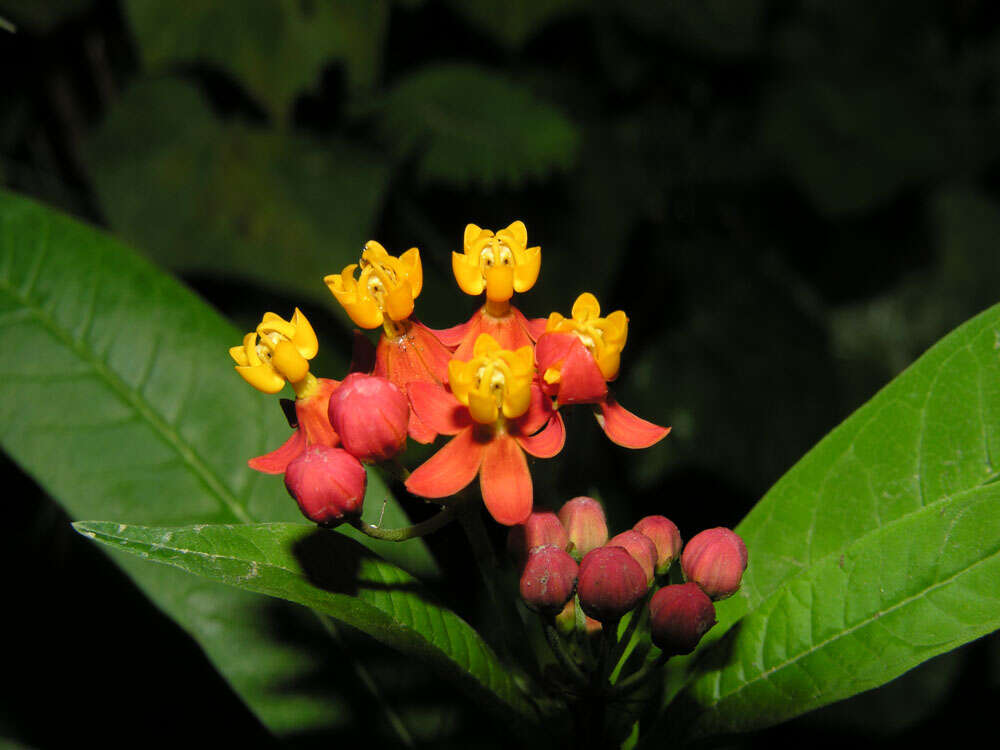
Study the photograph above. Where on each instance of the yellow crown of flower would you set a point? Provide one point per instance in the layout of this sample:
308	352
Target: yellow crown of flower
495	380
277	351
603	337
500	263
386	286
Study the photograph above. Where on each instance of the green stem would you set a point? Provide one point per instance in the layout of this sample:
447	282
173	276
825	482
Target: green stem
636	680
564	659
609	631
638	614
432	524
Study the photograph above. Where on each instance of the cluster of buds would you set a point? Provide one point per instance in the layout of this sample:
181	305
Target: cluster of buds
495	383
568	560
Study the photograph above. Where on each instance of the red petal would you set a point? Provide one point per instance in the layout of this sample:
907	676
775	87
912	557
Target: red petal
438	409
625	428
312	415
539	412
432	352
277	461
548	442
452	337
534	327
506	329
450	469
419	431
506	482
580	380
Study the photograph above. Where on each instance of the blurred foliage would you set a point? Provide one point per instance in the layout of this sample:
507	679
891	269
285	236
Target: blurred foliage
790	198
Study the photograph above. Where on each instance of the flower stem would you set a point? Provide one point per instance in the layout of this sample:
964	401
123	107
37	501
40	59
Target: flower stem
638	613
636	680
432	524
564	659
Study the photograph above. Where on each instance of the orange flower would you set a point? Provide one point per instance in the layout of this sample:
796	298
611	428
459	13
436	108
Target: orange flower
496	412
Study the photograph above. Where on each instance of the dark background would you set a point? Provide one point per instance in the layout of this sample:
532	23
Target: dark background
791	201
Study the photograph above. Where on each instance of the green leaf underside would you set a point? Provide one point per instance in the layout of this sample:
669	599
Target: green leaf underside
877	551
331	574
117	397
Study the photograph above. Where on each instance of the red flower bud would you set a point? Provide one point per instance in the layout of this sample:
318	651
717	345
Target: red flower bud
611	583
679	616
583	519
327	483
715	559
665	536
542	527
370	415
641	548
548	580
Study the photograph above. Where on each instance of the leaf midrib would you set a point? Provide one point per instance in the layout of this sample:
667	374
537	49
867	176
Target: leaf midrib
129	396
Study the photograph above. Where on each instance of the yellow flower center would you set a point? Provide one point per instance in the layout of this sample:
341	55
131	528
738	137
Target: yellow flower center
499	264
495	381
604	337
384	290
276	352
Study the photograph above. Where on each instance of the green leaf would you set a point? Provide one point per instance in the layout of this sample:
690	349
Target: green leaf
117	396
470	125
276	49
877	551
333	575
513	22
199	194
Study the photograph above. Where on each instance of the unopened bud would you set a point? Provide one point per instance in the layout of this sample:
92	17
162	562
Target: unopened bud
715	559
542	527
583	519
327	483
371	416
611	583
665	536
679	616
548	580
641	548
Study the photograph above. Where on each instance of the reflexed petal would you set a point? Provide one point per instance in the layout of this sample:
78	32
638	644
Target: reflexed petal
553	348
450	469
505	481
538	413
312	414
438	409
580	380
548	442
419	431
276	461
533	327
625	428
452	337
433	353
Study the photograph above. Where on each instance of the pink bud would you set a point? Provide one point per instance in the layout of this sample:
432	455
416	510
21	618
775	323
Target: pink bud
641	548
327	483
611	583
583	519
715	559
665	536
548	580
679	616
370	415
542	527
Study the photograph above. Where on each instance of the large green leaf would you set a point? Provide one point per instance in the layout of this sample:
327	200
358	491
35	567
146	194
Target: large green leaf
333	575
877	551
471	125
276	49
117	397
200	194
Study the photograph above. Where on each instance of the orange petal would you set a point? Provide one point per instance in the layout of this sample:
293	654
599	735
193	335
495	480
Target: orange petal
505	481
452	337
580	380
450	469
534	327
438	409
547	442
277	461
419	431
432	352
539	412
625	428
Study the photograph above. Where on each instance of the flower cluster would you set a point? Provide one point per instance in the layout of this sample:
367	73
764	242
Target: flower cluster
567	560
494	384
